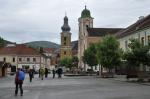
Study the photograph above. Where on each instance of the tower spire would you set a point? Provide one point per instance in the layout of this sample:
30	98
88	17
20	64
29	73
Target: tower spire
65	26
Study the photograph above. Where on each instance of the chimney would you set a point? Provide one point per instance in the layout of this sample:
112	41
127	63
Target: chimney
141	17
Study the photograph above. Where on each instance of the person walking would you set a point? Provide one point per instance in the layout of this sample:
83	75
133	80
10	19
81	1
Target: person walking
59	71
42	72
30	74
39	72
19	78
53	71
46	72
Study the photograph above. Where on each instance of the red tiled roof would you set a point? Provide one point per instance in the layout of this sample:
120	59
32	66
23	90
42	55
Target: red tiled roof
48	50
97	32
19	49
139	25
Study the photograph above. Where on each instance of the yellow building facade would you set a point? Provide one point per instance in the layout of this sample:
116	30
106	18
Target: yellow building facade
65	50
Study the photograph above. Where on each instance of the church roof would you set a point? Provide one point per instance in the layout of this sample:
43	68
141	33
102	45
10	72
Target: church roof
139	25
86	13
65	26
97	32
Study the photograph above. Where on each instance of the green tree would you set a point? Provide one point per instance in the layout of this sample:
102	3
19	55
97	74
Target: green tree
67	62
90	56
108	52
75	61
138	54
2	42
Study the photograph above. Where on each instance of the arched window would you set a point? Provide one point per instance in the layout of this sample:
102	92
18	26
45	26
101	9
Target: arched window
65	38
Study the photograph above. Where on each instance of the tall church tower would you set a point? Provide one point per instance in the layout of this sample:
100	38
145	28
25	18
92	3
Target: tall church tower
65	40
85	21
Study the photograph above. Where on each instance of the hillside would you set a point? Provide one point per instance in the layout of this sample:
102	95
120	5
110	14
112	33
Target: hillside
44	44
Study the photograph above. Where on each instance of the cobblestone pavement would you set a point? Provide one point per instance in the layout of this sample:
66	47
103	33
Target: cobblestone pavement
87	87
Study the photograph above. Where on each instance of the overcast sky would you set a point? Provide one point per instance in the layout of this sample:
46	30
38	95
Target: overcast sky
33	20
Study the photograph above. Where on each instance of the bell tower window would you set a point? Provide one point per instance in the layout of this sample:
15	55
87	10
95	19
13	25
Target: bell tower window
64	52
65	38
64	43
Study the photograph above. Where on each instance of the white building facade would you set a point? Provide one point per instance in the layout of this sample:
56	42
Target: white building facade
139	30
21	56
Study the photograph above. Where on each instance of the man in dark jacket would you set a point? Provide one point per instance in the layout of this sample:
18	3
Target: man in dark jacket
53	71
30	74
18	83
46	72
59	71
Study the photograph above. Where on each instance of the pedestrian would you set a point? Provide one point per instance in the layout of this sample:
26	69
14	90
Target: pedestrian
53	71
59	72
19	78
33	70
39	72
30	74
46	72
42	72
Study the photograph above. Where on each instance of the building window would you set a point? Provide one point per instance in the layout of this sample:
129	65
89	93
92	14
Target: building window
28	59
34	59
13	59
20	59
64	43
142	40
4	59
65	38
148	38
64	52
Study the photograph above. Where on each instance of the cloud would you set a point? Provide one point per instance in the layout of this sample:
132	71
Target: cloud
29	20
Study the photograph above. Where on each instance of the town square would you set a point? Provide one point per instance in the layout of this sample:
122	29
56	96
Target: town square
75	87
86	49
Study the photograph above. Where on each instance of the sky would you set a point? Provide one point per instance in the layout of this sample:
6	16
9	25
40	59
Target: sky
35	20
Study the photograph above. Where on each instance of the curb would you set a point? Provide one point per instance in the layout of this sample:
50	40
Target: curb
131	82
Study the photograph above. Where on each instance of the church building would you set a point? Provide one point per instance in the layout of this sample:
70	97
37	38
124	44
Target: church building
66	50
88	35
